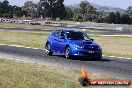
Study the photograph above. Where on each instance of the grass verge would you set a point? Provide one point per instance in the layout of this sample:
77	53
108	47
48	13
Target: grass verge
24	38
20	75
24	75
115	46
111	45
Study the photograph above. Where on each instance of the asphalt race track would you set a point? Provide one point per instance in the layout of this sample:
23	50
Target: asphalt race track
24	30
102	32
118	68
115	67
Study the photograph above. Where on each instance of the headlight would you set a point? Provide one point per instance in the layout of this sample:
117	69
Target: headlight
79	46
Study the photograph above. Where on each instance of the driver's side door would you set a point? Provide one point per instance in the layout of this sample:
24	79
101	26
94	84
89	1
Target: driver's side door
62	42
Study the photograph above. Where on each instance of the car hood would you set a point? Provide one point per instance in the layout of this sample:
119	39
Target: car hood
83	42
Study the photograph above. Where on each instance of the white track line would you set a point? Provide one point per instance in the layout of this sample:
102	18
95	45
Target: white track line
8	27
27	28
117	35
117	57
21	46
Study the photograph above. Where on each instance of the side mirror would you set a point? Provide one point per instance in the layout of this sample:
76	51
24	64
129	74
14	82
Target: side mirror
62	37
92	40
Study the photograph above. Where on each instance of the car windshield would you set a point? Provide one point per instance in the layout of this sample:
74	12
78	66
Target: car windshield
77	36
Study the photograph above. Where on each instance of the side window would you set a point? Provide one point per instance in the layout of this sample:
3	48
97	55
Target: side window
58	33
53	33
85	38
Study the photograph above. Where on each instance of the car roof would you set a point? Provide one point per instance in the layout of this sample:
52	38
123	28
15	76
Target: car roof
68	30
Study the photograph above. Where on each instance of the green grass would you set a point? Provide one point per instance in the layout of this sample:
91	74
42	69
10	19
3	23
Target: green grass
24	75
23	39
111	45
20	75
117	46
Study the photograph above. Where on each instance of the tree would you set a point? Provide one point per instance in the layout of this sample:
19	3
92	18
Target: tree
125	19
1	9
69	13
8	11
5	3
53	8
18	12
4	6
30	8
84	6
5	9
86	11
129	10
77	16
111	18
100	17
118	18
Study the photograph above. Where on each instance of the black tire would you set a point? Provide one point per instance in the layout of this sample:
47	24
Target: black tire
67	53
48	50
99	58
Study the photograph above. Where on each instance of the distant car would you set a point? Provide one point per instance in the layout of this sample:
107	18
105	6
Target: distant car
35	23
72	43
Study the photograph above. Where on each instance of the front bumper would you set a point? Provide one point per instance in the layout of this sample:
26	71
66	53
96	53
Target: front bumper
87	53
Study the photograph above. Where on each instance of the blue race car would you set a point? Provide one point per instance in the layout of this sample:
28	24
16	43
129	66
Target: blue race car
72	43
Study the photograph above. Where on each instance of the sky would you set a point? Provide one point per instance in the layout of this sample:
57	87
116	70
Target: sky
115	3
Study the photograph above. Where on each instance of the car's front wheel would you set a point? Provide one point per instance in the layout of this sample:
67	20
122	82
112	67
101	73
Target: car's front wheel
48	50
67	53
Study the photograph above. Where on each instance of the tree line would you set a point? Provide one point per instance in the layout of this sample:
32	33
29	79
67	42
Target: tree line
56	9
7	10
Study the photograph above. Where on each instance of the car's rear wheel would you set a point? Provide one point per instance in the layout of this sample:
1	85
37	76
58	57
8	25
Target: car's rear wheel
67	53
48	50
